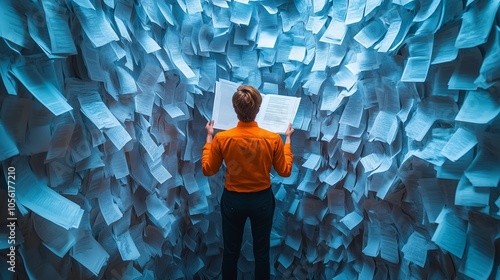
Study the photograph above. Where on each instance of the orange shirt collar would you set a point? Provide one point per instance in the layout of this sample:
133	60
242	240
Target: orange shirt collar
247	124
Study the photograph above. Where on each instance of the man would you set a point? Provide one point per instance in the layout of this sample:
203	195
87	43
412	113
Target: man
249	153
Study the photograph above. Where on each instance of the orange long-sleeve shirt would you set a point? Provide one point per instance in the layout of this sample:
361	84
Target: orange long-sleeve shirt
249	153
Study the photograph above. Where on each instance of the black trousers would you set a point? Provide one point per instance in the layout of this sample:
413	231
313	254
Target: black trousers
236	207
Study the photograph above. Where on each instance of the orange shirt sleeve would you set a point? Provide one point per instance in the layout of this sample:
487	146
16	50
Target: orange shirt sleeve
283	159
211	158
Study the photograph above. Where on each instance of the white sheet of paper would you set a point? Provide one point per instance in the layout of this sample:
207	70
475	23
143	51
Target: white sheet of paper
276	111
172	46
312	162
336	201
352	219
109	209
385	127
54	237
335	33
241	13
61	137
466	70
96	25
119	165
484	171
61	39
198	203
353	111
118	136
371	33
415	249
479	258
444	45
93	107
489	72
462	141
159	172
368	270
451	233
476	25
145	40
126	246
41	89
8	148
389	249
395	24
43	200
14	22
479	107
372	247
433	197
417	65
88	252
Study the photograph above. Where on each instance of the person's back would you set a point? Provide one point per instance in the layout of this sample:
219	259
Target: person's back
249	153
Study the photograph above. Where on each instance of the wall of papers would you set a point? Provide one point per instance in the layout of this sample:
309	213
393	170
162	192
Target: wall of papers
397	159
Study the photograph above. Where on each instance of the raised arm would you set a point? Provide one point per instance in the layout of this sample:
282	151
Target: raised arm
283	157
288	134
210	131
211	158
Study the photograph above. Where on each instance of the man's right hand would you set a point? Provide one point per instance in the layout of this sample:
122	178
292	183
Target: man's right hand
210	130
288	133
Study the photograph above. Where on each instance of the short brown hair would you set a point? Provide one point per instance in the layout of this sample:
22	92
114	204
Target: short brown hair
246	103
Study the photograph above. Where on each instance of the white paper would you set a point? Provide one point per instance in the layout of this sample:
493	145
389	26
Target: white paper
415	249
14	22
43	200
8	148
479	257
479	107
88	252
96	25
276	111
352	219
476	25
451	234
484	171
462	141
41	89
